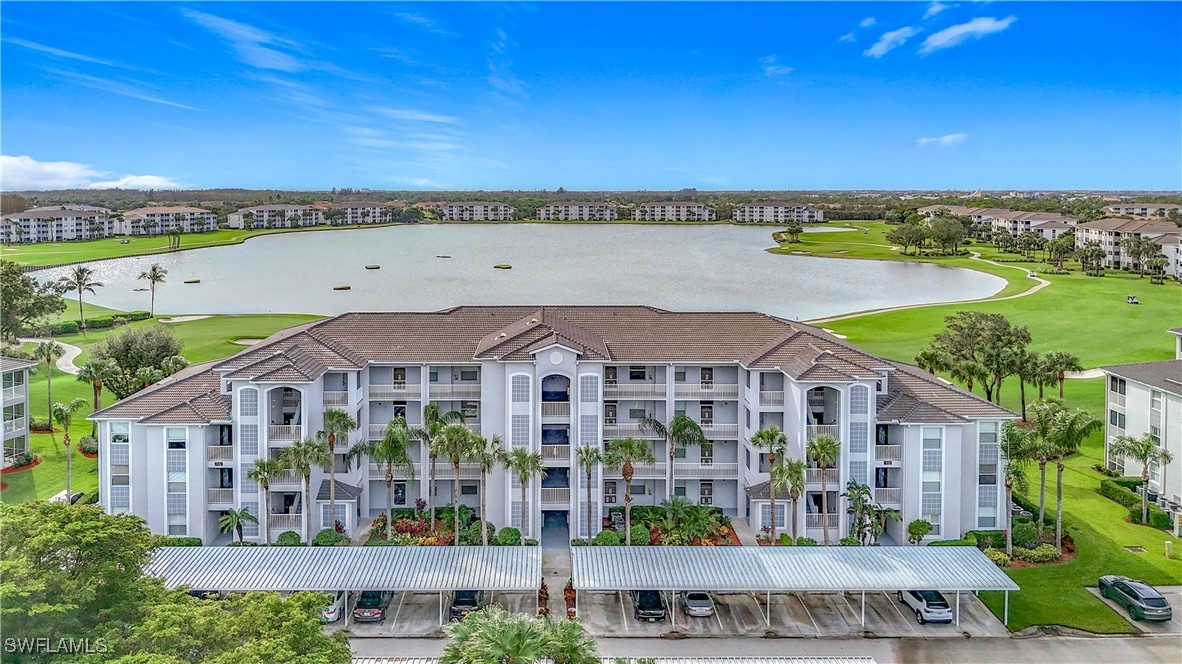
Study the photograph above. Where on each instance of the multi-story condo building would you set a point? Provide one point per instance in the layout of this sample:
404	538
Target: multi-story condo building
1048	224
362	213
57	223
276	216
777	212
1147	398
673	211
160	219
578	211
16	406
1109	233
551	379
477	211
1143	209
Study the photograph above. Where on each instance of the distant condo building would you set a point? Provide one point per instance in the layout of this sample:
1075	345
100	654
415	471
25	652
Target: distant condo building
57	223
1109	233
276	216
776	212
362	213
477	211
158	220
576	211
1143	209
1050	225
16	407
673	211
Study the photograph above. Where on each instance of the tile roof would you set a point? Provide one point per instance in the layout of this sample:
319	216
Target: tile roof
913	395
164	209
761	491
344	491
675	204
191	396
777	204
1165	376
1131	226
15	363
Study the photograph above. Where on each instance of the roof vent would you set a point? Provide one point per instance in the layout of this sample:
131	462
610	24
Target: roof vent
504	335
533	320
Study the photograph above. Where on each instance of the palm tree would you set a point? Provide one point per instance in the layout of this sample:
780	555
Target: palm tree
1015	450
825	452
681	430
794	471
588	457
434	421
1145	451
525	466
1059	363
95	372
154	275
1028	368
81	279
336	423
392	451
774	442
624	453
456	444
495	636
48	351
1068	432
63	414
1042	448
233	520
263	471
302	457
486	452
931	361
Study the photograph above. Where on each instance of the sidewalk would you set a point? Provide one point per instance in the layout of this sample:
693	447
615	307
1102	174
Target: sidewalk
746	537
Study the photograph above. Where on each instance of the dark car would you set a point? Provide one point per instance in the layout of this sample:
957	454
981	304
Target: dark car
371	606
648	605
1141	600
465	602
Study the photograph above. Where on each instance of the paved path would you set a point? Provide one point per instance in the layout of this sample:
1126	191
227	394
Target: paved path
183	319
65	363
1090	373
743	531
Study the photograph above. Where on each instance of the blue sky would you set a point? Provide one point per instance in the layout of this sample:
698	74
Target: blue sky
836	95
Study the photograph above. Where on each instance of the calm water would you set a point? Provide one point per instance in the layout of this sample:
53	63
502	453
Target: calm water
676	267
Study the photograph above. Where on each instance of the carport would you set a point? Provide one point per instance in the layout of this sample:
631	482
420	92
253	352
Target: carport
773	569
408	569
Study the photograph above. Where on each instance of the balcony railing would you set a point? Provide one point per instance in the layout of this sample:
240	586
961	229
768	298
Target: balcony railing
378	471
342	441
219	452
771	398
555	409
454	392
220	496
336	399
285	432
888	452
556	452
396	391
377	431
717	471
639	471
816	430
627	430
714	431
818	521
705	391
813	476
445	471
14	392
282	522
634	391
287	478
888	496
17	424
556	495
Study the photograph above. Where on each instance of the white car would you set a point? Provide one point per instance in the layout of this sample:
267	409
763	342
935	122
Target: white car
929	605
333	611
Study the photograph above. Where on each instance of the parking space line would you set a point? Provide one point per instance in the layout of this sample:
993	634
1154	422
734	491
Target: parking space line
401	599
893	601
623	613
851	608
718	618
808	613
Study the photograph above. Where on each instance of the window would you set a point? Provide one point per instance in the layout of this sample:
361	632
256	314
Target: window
609	413
469	375
679	375
248	438
588	389
609	492
858	471
707	377
679	490
707	414
679	452
519	433
859	433
1116	385
1116	419
399	377
120	432
635	412
469	489
176	438
636	373
248	402
706	455
520	389
638	489
470	409
859	400
399	490
609	375
434	376
747	458
706	493
765	515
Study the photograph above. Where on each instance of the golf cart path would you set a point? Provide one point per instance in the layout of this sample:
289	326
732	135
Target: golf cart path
65	363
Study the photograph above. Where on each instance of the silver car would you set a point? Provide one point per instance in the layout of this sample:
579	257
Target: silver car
697	603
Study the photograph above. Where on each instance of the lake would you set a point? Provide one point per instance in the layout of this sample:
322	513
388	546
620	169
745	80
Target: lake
715	267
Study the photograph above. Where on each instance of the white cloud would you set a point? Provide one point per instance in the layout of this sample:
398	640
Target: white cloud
119	88
942	141
59	53
848	37
935	8
868	21
959	34
250	43
770	68
422	22
23	172
889	41
415	115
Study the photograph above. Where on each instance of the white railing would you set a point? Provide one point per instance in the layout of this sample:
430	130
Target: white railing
888	452
14	392
771	398
639	470
473	425
555	495
342	441
888	496
219	452
287	478
627	430
714	431
556	452
720	471
813	476
705	391
1117	399
396	391
378	471
555	409
285	432
334	399
831	430
377	431
14	425
220	496
818	521
635	391
453	392
445	471
282	522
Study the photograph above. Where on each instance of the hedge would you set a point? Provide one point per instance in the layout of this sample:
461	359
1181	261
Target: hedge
329	537
138	315
1025	535
1043	553
785	539
40	425
998	557
288	538
531	542
182	541
849	541
379	542
1130	483
66	327
651	514
988	539
608	538
968	541
97	323
640	535
243	543
1115	490
509	536
580	542
805	541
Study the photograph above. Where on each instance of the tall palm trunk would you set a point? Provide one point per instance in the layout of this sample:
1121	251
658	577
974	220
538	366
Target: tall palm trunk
70	465
81	318
590	512
98	404
389	499
332	481
771	495
431	492
1144	491
483	509
49	390
1062	378
626	472
1008	518
1022	389
672	458
308	510
455	502
794	499
1042	494
524	495
1059	505
152	305
824	507
267	513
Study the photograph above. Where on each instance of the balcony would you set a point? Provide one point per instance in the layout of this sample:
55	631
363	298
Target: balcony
556	452
336	399
627	430
400	391
285	432
771	398
888	496
455	392
556	496
445	471
14	392
342	442
716	431
287	478
219	452
12	426
639	471
644	391
816	430
888	452
555	409
377	431
813	476
220	497
377	471
281	522
818	521
705	391
706	471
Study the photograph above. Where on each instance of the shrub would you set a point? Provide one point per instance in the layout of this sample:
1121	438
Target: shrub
1025	535
1115	490
805	541
88	444
1043	553
785	539
138	315
849	541
329	537
988	539
24	459
640	535
40	425
378	542
243	543
182	541
531	542
288	538
1130	483
998	557
509	537
959	542
1158	518
608	538
89	499
65	327
98	322
1105	470
580	542
917	530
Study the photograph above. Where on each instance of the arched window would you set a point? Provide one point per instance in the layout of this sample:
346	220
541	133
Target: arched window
248	402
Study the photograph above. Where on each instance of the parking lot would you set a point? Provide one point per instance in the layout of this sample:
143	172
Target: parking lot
792	615
1173	595
417	614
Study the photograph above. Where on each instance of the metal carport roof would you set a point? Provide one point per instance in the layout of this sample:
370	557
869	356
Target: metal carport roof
785	569
838	659
426	569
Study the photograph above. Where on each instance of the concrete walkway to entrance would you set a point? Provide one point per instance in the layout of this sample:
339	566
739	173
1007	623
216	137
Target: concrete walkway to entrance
743	531
556	571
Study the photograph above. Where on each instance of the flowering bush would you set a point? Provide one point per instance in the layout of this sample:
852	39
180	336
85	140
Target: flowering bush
998	557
